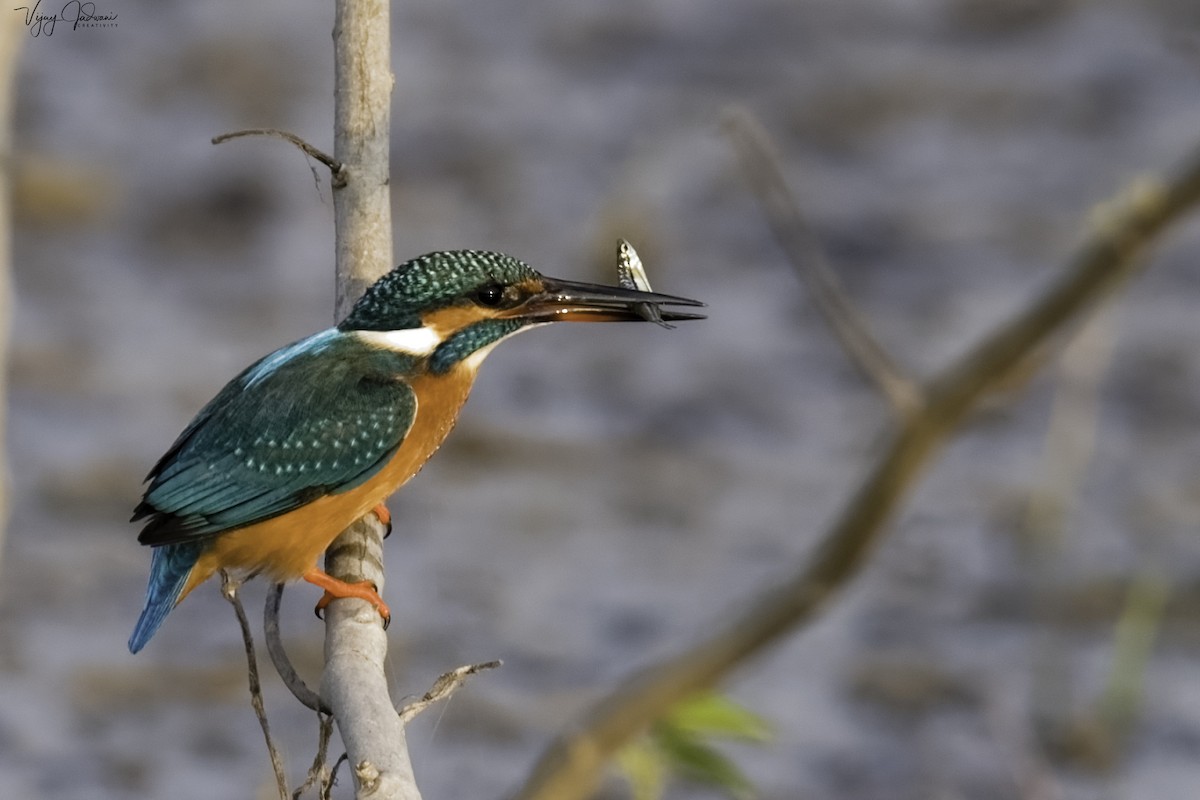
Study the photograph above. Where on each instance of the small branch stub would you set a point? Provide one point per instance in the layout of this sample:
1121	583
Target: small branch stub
446	684
337	169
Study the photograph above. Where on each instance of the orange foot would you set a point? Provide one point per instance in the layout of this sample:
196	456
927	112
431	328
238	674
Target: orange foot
335	589
385	518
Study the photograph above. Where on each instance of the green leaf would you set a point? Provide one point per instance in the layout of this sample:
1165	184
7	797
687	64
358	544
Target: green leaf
715	715
678	746
645	767
701	763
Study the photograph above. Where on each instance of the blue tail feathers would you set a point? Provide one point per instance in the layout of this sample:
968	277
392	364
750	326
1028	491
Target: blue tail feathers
169	571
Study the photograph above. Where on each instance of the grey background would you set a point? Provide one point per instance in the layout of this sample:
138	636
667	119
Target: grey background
611	491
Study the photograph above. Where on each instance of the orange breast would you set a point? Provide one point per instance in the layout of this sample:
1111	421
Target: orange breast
286	546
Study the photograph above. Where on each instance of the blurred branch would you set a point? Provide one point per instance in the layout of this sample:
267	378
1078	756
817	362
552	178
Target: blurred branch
1134	638
10	30
1067	451
1110	256
355	683
1070	444
799	243
229	590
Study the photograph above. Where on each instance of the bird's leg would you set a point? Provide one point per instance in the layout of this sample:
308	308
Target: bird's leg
385	518
336	589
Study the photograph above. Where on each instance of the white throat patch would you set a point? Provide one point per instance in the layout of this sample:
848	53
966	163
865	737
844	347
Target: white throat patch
410	341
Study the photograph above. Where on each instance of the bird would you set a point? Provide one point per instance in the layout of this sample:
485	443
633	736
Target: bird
319	433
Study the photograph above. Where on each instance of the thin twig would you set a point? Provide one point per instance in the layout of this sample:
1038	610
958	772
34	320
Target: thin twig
279	656
799	242
337	169
319	773
328	792
447	684
229	590
571	767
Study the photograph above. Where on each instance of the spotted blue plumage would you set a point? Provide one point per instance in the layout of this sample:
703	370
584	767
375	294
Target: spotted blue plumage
325	414
434	280
317	417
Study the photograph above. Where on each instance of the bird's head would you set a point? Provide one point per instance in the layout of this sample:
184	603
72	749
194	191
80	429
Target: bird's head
454	306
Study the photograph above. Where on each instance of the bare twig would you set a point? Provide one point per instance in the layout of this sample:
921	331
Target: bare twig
799	243
337	170
1111	256
447	684
319	774
328	790
229	590
279	656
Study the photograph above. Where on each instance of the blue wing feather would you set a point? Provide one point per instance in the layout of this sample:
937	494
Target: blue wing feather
317	417
169	568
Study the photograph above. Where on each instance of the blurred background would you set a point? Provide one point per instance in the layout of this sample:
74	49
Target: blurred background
1029	629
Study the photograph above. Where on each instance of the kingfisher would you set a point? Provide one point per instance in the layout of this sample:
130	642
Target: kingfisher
319	433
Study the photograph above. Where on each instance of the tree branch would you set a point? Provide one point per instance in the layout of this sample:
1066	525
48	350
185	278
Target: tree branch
279	656
354	683
319	774
362	122
447	684
571	767
229	590
336	168
800	245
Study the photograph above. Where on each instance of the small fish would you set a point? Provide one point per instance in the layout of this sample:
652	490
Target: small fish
632	275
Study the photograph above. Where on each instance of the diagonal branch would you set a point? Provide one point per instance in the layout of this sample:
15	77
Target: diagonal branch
799	243
1111	256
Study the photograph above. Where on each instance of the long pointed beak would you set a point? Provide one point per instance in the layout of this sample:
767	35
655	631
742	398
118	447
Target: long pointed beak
570	301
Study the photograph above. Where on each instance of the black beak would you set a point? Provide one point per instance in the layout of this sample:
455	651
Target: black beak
570	301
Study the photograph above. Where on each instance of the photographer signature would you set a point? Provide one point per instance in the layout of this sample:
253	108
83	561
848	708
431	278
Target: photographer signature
75	12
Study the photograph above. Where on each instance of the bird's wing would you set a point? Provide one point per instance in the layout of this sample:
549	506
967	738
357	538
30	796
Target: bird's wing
278	436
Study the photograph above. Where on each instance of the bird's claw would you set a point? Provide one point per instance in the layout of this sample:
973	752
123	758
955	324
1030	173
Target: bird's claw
336	589
385	518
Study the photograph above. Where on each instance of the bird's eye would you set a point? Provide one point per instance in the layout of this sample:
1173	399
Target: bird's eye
490	295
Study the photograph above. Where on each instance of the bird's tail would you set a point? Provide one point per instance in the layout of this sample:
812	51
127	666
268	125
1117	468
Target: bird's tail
169	569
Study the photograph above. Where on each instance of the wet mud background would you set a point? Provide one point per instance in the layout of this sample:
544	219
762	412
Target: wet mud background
611	491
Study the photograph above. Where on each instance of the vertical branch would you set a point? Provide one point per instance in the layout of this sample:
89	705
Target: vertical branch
355	684
362	122
10	30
